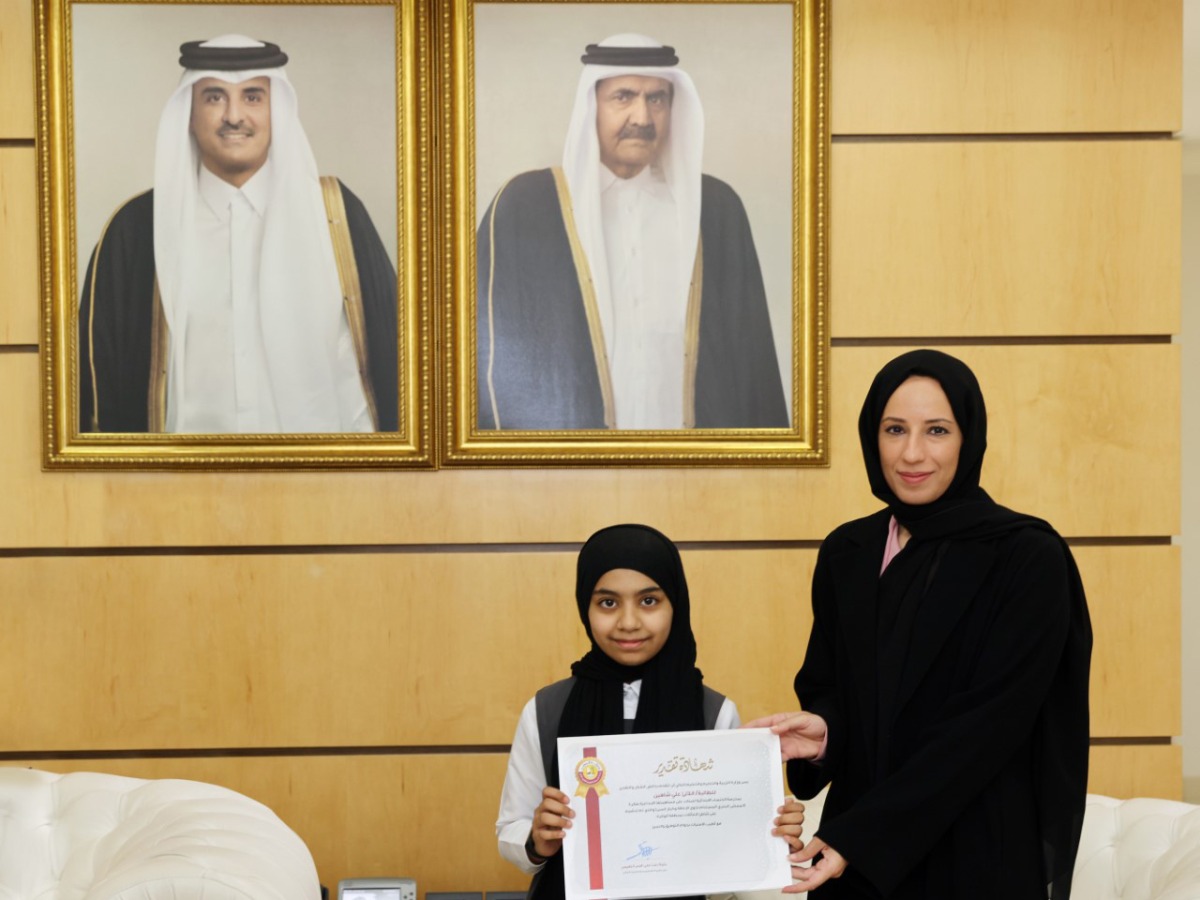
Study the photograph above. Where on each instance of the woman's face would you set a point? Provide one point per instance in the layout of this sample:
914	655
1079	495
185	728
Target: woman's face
630	616
919	441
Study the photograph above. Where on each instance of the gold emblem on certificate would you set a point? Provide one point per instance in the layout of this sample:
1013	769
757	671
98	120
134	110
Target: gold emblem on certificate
589	772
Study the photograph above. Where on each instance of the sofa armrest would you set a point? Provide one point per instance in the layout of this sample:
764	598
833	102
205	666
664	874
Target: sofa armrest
183	840
107	837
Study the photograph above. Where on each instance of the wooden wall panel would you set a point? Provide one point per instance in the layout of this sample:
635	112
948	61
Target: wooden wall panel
16	69
1133	595
20	283
344	650
1053	409
1095	469
1008	66
432	817
1005	238
379	647
431	649
1130	770
751	613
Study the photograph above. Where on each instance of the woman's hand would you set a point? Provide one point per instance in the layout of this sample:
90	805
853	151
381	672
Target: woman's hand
801	734
551	820
790	823
831	865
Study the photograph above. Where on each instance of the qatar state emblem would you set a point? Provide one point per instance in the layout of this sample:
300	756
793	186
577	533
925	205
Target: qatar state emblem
589	772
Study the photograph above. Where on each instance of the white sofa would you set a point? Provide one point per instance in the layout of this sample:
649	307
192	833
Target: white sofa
1139	849
87	836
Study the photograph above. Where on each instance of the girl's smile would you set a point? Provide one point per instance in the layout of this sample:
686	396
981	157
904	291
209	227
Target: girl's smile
630	616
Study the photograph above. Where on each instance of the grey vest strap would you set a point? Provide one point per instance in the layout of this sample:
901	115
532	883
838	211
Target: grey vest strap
552	699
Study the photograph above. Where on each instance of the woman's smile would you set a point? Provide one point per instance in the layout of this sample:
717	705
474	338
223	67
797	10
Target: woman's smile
918	429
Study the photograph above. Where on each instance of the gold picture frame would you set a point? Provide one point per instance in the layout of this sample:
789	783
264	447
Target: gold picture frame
509	70
360	70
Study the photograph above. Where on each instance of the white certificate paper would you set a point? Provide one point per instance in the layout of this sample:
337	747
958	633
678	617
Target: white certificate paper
663	815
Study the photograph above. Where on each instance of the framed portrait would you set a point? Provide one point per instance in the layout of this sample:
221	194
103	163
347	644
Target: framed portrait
235	233
636	199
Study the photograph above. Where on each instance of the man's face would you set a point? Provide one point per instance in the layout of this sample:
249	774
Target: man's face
232	126
633	121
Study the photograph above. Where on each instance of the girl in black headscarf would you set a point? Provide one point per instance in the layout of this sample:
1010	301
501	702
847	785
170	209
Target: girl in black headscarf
945	685
639	676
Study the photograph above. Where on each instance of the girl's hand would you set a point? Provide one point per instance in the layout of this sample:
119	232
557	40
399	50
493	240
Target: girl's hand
801	734
551	820
831	865
790	823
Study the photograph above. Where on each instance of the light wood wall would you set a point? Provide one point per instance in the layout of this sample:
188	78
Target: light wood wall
353	648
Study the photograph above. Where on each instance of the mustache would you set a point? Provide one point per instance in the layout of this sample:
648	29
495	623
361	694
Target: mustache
638	132
225	130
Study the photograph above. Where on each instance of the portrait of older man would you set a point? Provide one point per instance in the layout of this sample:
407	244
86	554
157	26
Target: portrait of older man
622	289
245	293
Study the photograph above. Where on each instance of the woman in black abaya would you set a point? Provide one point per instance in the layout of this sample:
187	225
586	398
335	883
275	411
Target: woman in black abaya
945	684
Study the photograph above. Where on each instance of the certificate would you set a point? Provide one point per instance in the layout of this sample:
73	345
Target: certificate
663	815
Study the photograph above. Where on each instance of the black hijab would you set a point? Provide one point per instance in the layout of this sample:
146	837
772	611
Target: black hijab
672	694
964	512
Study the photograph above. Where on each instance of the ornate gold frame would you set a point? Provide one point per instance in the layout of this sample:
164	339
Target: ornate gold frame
64	446
803	444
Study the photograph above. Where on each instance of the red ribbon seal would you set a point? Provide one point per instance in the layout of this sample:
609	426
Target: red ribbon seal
589	772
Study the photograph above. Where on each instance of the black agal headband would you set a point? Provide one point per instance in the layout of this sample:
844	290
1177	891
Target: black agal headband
597	55
194	55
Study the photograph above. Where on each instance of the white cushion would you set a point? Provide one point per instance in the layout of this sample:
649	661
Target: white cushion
88	836
1139	849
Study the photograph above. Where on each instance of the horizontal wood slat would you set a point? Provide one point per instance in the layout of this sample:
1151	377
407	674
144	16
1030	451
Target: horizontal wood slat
20	286
1011	66
1010	238
1052	409
357	650
1134	770
16	70
1133	596
433	649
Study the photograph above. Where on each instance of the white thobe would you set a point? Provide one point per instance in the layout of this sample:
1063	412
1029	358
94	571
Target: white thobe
227	379
645	342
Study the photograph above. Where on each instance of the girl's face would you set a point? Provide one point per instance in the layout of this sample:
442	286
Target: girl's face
919	441
630	616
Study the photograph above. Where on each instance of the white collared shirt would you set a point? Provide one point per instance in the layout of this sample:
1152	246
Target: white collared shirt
649	312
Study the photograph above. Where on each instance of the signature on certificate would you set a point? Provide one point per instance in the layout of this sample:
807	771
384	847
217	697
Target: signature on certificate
644	850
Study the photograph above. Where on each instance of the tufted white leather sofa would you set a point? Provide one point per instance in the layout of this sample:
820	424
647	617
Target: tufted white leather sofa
87	836
1139	849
